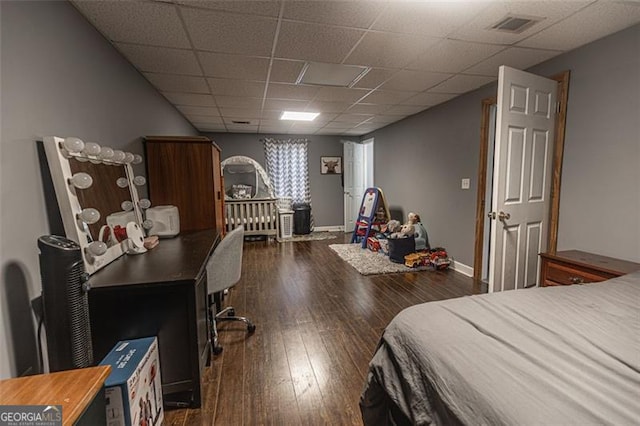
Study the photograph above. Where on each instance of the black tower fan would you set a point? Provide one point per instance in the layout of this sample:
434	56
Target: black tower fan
66	304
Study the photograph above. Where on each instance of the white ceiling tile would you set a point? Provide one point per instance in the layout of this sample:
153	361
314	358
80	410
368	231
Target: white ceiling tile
275	123
454	56
242	128
324	118
234	66
414	81
461	84
136	22
389	50
312	42
204	127
353	118
345	13
326	132
387	97
368	127
238	102
404	110
284	71
271	114
285	104
241	113
374	78
353	132
177	83
338	125
191	99
478	29
203	119
246	7
340	94
384	119
223	86
196	110
515	57
428	99
240	121
291	91
327	106
368	108
161	59
591	23
230	33
434	18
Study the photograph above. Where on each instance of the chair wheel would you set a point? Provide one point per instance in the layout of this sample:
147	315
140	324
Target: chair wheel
231	313
217	350
251	328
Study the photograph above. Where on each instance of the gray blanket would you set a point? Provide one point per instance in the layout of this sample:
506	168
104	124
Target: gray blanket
555	355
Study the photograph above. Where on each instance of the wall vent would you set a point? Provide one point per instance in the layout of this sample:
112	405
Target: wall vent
515	24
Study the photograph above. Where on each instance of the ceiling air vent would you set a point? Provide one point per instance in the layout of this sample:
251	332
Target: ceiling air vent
515	24
240	122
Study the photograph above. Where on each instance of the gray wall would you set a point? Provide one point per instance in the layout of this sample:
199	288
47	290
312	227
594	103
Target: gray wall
420	160
600	195
59	77
326	190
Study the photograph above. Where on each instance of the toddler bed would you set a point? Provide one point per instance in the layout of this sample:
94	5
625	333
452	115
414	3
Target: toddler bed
554	355
249	197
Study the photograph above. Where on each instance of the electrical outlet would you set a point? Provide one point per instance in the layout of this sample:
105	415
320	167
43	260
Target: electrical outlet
466	182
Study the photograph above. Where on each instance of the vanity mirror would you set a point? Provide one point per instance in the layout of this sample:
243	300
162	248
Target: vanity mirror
95	187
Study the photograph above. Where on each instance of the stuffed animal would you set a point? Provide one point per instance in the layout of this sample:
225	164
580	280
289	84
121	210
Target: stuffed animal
392	226
406	230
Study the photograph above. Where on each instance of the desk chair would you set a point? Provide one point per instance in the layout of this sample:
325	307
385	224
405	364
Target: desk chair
223	271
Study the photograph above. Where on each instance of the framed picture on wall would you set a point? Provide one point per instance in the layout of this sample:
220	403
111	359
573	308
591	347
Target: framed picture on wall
331	165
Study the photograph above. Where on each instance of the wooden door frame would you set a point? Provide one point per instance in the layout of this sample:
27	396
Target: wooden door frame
558	152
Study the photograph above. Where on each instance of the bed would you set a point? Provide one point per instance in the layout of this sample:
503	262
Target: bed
249	197
553	355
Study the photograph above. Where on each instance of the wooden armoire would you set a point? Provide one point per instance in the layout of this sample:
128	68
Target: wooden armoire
185	171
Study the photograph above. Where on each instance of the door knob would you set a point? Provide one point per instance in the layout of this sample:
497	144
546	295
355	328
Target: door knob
491	215
504	216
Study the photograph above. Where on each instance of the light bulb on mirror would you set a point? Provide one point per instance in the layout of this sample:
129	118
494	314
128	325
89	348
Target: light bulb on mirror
137	159
122	182
106	153
81	180
128	157
147	224
127	206
91	148
97	248
139	180
118	156
89	215
72	144
144	203
81	159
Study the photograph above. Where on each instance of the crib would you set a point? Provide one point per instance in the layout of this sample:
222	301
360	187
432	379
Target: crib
258	216
249	197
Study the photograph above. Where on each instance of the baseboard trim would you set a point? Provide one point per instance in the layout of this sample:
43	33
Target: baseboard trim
462	268
334	228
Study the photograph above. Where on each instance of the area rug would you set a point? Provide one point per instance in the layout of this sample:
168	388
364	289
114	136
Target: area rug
370	263
314	236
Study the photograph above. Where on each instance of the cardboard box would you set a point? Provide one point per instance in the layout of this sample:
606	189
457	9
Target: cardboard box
134	389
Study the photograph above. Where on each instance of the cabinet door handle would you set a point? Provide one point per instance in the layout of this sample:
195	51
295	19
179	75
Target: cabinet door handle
576	280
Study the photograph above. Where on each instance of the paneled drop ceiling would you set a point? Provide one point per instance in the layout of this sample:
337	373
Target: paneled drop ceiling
232	66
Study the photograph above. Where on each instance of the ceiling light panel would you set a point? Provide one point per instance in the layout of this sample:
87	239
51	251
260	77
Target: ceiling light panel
299	115
323	74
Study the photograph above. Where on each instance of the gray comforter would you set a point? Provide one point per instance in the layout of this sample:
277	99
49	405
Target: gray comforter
555	355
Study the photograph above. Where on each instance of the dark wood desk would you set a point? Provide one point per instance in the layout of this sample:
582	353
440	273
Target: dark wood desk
159	293
80	392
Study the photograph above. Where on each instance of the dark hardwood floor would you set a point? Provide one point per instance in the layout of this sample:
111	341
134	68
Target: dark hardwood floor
318	323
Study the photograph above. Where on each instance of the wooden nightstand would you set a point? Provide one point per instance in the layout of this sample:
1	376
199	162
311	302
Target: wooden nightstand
578	267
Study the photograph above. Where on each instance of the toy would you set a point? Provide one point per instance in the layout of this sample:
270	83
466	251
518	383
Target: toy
422	239
373	244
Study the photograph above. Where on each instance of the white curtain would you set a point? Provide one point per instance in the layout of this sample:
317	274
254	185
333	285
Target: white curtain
288	168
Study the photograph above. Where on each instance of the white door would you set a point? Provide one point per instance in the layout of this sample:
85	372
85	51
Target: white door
525	125
354	184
